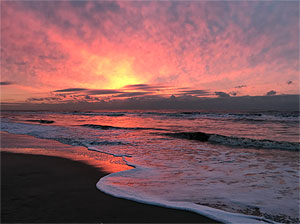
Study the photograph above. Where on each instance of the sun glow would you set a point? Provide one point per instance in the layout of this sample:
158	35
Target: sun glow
123	75
118	74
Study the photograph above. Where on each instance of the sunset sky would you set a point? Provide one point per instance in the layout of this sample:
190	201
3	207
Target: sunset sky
64	51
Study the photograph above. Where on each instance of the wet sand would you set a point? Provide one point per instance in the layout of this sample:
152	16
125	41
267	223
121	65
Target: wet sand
44	189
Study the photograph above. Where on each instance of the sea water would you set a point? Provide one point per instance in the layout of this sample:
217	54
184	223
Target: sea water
233	167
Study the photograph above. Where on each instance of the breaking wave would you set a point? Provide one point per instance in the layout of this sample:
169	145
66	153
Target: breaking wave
236	141
41	121
107	127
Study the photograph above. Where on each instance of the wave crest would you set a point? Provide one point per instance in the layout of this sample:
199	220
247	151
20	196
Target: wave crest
237	141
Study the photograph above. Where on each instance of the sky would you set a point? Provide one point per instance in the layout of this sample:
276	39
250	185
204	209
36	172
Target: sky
66	52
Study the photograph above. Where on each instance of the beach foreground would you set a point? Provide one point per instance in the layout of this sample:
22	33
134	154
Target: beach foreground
39	188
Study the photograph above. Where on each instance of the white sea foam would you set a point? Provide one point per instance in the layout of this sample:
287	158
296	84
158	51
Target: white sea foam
106	185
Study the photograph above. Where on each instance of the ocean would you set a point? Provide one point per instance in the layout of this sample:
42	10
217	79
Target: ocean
235	167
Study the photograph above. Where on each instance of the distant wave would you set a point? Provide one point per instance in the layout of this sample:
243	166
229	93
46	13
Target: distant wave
263	116
106	127
91	113
41	121
236	141
108	143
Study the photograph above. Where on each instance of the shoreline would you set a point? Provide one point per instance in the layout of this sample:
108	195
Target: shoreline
49	188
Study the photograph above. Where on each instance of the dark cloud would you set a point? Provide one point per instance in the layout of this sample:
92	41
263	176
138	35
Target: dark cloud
91	98
133	94
43	99
196	92
271	93
61	95
233	93
240	86
145	87
103	91
35	99
137	86
172	97
5	83
62	98
90	91
70	90
289	82
222	94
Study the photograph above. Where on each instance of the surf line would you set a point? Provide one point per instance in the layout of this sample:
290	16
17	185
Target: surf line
216	214
123	156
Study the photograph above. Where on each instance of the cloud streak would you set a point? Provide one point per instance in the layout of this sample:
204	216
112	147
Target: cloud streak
196	92
133	94
70	90
145	87
5	83
271	93
240	86
222	94
103	92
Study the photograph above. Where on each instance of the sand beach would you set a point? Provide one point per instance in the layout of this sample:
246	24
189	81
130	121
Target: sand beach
51	189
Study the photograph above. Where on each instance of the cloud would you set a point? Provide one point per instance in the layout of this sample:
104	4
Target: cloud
89	91
91	98
44	99
103	91
271	93
196	92
5	83
131	94
70	90
145	87
240	86
61	95
222	94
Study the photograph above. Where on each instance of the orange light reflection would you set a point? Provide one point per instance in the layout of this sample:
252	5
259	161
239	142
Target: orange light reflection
30	145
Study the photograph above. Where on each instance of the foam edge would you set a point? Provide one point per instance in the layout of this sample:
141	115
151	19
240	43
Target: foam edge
212	213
